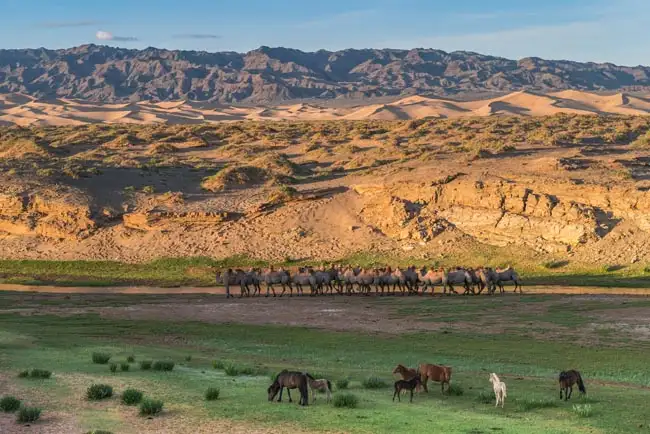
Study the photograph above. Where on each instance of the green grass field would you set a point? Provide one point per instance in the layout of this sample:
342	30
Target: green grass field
614	365
174	272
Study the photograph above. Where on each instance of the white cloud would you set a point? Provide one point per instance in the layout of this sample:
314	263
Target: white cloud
108	36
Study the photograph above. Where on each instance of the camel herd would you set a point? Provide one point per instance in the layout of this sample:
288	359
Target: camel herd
337	279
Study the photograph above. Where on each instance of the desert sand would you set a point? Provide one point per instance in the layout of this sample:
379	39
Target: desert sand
26	111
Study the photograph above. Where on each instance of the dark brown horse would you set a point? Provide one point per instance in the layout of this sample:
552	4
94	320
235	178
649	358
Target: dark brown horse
441	374
291	380
567	380
409	385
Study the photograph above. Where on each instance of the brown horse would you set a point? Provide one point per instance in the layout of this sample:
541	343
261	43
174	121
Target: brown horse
406	373
437	373
291	380
567	380
409	385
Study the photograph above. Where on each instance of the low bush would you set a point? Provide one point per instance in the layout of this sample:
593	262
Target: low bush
124	366
113	367
342	384
97	392
28	414
345	400
218	364
251	371
150	407
131	397
534	404
9	404
130	359
212	394
188	358
455	390
101	358
23	374
374	383
486	397
163	365
40	373
145	365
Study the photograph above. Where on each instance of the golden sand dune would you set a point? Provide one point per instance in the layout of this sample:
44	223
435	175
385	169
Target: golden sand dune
22	110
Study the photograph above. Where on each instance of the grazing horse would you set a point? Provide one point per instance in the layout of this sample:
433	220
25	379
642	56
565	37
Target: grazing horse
499	389
508	275
409	385
567	380
322	385
290	380
437	373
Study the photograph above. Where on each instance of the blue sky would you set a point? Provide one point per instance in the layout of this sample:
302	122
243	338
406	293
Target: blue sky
585	30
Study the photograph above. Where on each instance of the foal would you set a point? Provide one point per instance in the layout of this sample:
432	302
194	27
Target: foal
499	389
567	380
322	385
409	385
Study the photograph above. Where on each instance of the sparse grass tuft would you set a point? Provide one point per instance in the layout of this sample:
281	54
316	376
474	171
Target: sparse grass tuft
145	365
163	365
212	394
9	404
374	383
132	397
97	392
28	414
40	373
124	366
345	400
23	374
235	371
101	358
130	359
188	358
583	410
456	390
113	367
150	407
218	364
485	397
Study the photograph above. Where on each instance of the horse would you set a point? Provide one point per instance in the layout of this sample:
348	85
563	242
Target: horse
406	373
409	385
567	380
291	380
437	373
322	385
499	389
507	275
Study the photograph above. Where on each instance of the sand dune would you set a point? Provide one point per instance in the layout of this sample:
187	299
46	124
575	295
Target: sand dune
21	110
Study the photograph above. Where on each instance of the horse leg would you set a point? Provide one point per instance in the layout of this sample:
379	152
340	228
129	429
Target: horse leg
560	393
424	383
281	389
570	392
395	394
289	393
411	395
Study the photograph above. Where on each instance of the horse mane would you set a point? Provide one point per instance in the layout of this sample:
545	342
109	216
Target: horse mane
309	376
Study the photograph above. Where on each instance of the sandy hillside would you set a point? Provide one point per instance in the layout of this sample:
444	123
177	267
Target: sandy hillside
561	188
24	111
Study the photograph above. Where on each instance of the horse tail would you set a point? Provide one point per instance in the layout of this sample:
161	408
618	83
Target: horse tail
581	385
329	385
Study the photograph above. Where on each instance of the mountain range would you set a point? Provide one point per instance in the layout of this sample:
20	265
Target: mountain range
266	75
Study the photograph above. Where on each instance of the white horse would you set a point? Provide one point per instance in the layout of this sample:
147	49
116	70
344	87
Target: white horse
499	389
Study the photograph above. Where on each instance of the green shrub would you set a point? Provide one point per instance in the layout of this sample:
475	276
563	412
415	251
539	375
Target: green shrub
145	365
583	410
342	384
124	366
218	364
131	397
534	404
113	367
23	374
231	370
455	390
163	365
28	414
151	407
97	392
40	373
101	358
188	358
130	359
374	383
486	397
212	394
9	404
345	400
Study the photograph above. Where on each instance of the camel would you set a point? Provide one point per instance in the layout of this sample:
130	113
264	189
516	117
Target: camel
508	275
304	277
430	278
456	277
281	277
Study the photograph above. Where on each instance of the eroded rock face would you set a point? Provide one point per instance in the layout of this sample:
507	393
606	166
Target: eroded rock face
158	219
495	212
65	217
